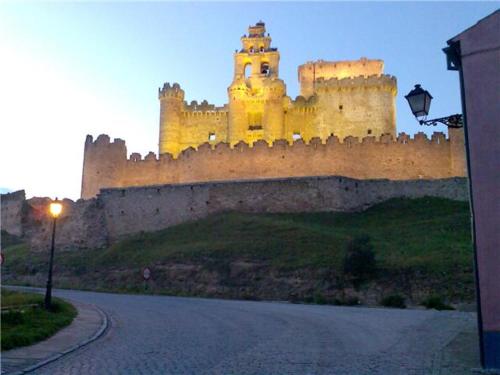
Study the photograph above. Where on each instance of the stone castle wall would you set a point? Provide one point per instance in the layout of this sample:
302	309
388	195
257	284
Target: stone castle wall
117	213
11	206
106	164
347	106
310	72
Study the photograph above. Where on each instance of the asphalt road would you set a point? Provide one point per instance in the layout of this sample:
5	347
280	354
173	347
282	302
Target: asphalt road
170	335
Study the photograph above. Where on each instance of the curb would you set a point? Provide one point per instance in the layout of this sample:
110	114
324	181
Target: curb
104	326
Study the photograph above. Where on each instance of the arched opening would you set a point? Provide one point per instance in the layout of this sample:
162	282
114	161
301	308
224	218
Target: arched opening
264	68
248	70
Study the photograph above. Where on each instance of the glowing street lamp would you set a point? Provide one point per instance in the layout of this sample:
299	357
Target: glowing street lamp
420	103
55	209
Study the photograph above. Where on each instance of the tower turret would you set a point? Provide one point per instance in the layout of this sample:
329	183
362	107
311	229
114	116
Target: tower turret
171	105
256	93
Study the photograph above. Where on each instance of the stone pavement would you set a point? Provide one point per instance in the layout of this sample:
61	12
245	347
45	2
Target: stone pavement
196	336
87	326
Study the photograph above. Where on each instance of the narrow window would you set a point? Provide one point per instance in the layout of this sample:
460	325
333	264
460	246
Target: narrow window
264	69
341	107
261	49
211	137
369	131
296	136
248	70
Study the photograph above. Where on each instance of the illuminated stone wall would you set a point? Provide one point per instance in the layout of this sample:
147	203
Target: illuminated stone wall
340	97
311	72
106	164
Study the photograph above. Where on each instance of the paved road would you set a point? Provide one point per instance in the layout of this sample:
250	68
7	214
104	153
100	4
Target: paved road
169	335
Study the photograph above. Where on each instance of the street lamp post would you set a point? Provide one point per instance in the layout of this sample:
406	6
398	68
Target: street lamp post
420	103
55	209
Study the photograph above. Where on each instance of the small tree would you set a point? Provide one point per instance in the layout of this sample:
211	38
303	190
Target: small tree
359	261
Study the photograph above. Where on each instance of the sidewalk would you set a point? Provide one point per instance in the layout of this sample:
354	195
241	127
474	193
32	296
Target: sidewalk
89	324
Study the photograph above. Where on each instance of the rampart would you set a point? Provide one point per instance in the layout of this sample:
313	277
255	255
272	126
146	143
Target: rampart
310	72
116	213
106	164
11	205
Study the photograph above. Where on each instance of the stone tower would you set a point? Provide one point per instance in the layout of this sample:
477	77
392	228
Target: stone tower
256	95
171	107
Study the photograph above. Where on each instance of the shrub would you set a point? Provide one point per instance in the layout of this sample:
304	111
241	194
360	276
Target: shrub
350	301
319	299
394	300
436	302
359	261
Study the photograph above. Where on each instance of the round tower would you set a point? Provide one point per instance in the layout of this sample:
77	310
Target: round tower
171	106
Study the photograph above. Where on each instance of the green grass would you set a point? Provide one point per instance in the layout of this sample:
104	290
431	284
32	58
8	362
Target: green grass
429	237
25	324
9	239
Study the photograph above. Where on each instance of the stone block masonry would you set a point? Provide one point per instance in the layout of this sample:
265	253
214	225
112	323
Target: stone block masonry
11	205
120	212
106	164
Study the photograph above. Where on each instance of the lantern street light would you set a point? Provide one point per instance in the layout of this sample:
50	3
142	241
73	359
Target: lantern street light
420	102
55	209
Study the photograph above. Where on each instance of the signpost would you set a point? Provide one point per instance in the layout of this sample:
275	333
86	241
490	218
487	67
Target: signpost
146	274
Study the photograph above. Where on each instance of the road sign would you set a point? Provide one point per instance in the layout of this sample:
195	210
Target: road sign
146	273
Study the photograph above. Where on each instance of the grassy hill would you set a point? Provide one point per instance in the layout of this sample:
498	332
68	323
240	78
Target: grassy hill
422	247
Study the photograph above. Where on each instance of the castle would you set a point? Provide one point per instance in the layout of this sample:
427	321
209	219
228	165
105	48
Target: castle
345	98
343	123
333	148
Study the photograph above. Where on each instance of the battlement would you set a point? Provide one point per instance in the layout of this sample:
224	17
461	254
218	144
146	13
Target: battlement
340	69
204	106
374	81
213	149
313	71
300	102
104	140
173	90
396	158
13	196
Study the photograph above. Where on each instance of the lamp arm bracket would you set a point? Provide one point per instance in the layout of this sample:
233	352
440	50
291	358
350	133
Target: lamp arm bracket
453	121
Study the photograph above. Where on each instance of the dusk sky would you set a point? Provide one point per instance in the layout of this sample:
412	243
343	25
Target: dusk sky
72	69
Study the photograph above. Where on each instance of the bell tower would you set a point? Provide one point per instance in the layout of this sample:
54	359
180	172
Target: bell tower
256	94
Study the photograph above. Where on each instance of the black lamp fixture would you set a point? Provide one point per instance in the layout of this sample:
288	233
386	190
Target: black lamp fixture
420	103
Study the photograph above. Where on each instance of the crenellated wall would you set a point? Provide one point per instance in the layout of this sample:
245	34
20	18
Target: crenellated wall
312	71
345	98
404	158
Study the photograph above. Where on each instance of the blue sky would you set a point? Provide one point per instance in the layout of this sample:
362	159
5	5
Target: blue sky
72	69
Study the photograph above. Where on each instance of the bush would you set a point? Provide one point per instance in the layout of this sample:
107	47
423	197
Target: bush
350	301
436	302
359	261
319	299
394	300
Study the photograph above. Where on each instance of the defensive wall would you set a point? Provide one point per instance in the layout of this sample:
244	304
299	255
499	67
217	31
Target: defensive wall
11	205
116	213
312	71
355	106
106	164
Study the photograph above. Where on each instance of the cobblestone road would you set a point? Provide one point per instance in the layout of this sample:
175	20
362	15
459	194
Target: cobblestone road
168	335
